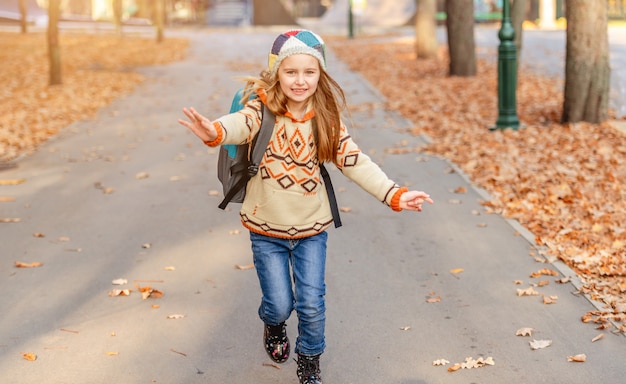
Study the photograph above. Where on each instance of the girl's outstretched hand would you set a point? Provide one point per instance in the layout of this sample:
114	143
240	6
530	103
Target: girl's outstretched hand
413	200
199	125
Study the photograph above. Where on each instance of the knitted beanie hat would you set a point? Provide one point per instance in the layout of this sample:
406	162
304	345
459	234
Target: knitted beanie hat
295	42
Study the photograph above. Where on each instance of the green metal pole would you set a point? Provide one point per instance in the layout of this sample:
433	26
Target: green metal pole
350	20
507	73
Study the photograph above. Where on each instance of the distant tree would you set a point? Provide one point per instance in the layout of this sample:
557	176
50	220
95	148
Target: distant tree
425	29
54	50
23	16
159	13
461	44
117	15
587	71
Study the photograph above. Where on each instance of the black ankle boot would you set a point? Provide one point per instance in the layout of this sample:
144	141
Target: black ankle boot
309	369
276	342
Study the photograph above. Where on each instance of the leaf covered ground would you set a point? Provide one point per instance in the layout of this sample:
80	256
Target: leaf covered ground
566	183
96	69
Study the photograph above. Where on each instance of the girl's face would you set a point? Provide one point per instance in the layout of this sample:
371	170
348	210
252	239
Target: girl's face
298	76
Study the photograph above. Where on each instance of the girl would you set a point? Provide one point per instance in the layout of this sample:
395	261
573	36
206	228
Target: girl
286	208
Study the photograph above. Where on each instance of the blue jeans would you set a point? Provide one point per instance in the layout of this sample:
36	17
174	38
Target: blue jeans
274	260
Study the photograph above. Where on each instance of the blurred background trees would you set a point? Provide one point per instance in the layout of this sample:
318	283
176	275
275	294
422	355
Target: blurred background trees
587	70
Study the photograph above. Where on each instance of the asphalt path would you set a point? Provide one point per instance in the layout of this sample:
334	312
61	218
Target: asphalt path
129	195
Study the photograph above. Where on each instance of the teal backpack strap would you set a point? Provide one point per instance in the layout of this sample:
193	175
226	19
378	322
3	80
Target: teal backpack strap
237	105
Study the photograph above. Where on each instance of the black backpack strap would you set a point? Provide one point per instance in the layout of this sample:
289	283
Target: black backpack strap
239	185
262	139
259	145
331	196
334	209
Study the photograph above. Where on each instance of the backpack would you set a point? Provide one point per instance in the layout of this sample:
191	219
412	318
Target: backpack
237	164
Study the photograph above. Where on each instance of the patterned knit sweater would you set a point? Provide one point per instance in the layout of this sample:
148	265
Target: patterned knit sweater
287	198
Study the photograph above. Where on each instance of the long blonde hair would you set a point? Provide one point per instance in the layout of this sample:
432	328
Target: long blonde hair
328	102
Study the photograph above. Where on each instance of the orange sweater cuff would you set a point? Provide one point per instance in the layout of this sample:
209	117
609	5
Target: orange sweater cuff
395	200
219	138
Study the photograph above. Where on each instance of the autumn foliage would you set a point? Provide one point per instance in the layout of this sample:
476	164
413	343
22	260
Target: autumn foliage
565	183
96	69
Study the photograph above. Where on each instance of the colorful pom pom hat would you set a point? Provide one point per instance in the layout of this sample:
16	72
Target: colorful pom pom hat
297	41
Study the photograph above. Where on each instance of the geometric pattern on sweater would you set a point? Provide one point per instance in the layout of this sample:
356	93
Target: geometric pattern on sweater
251	223
350	159
288	151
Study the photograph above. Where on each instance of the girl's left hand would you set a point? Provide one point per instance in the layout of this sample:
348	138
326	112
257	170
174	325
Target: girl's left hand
413	200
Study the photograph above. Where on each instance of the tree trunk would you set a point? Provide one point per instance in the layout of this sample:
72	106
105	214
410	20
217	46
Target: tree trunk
117	16
587	71
518	14
54	50
159	13
23	16
425	29
461	44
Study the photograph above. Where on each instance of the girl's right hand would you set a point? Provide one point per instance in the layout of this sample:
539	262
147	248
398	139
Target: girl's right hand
199	125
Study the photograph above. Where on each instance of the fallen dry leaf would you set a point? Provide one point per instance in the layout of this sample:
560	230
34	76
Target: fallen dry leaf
530	291
119	281
176	316
273	365
148	292
441	362
37	234
456	270
244	267
6	199
599	337
580	358
34	264
29	356
471	363
545	271
524	332
112	353
460	190
540	344
170	268
345	209
549	299
142	175
405	328
431	298
12	181
120	292
214	192
564	280
10	220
